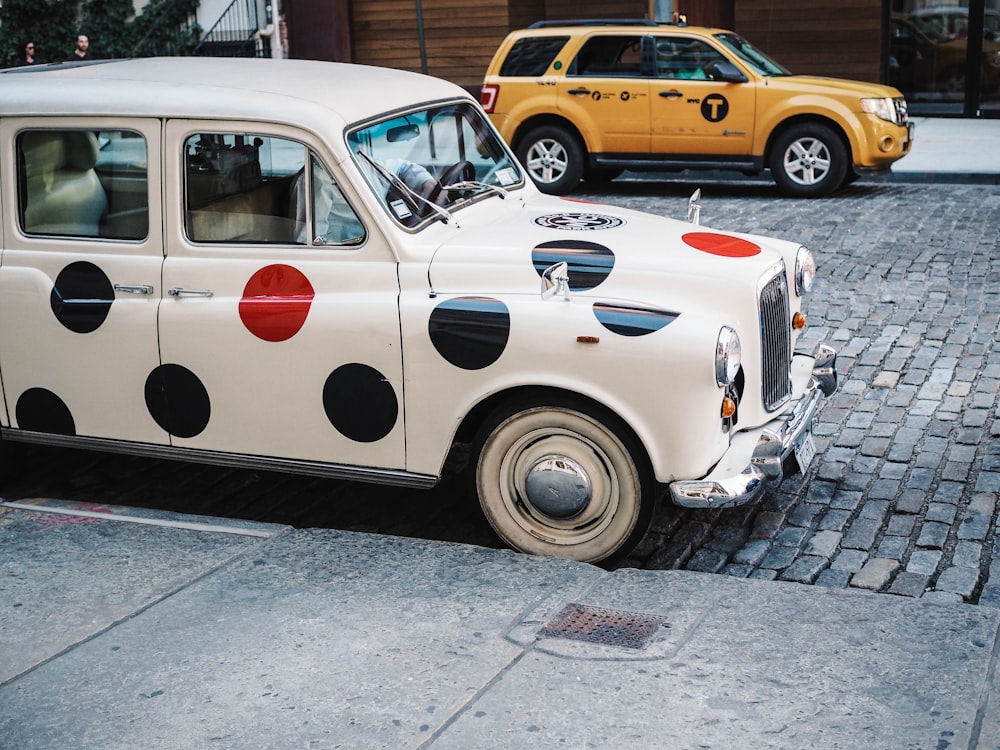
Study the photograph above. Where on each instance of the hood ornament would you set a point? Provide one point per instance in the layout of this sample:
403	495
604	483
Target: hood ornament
694	207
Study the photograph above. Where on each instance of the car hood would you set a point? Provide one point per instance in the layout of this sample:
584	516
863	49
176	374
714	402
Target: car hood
611	253
838	85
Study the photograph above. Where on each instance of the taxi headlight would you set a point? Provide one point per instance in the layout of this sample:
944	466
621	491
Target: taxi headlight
805	271
881	108
728	356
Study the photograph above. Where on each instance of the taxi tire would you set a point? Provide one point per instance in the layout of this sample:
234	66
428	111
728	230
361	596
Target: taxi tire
808	160
622	501
553	157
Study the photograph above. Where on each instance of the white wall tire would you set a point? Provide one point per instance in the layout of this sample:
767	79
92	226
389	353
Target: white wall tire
526	461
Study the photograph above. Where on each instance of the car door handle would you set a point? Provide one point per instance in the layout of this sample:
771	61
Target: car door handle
134	288
179	292
579	92
672	94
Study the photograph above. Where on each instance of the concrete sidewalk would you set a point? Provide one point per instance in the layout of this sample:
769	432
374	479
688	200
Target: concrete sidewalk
951	150
123	628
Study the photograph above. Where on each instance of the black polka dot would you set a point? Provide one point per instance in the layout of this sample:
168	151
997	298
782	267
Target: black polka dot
360	402
470	332
632	321
177	400
589	263
39	410
82	296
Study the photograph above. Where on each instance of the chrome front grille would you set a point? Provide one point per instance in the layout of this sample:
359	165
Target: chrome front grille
902	116
775	342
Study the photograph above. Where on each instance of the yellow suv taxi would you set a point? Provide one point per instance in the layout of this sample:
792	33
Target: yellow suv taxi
589	99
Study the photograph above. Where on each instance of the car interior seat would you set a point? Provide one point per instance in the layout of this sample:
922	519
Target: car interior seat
63	194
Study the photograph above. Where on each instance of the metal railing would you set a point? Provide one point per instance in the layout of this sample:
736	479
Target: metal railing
235	33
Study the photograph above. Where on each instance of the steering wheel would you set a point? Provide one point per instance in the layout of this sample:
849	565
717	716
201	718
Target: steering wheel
460	172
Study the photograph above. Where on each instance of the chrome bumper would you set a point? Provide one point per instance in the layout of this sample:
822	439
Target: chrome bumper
755	459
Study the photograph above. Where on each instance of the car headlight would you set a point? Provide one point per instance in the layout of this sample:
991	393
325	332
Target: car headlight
881	108
728	356
805	271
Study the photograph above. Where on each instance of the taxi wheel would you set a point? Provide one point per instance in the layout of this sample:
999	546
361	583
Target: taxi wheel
553	158
808	161
557	480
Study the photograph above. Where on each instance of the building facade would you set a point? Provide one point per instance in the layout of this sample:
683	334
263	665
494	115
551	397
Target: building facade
943	54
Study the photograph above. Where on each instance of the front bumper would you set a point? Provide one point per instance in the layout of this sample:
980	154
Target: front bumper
755	460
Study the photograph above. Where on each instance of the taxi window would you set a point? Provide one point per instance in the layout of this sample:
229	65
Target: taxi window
532	56
612	56
249	188
83	183
677	57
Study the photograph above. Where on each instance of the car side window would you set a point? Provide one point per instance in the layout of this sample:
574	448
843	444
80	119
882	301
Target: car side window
258	189
677	57
83	183
532	56
609	56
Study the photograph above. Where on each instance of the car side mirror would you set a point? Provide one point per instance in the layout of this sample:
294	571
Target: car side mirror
723	70
555	281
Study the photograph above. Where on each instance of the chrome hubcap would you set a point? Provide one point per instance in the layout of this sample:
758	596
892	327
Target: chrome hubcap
558	487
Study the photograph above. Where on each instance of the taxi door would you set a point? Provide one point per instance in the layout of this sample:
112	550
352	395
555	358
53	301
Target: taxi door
605	95
80	276
692	114
278	338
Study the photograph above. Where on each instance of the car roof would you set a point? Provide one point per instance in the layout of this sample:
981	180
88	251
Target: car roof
300	91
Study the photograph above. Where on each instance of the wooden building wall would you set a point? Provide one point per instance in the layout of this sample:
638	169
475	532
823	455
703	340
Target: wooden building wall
841	39
460	35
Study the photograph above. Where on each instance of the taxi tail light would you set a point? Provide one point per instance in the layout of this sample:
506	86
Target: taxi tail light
488	97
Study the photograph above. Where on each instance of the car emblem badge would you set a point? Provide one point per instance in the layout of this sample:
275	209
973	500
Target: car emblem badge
579	222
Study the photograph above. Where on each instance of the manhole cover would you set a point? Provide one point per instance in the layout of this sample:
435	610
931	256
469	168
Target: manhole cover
607	627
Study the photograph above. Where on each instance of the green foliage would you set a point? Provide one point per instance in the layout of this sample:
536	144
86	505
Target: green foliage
163	27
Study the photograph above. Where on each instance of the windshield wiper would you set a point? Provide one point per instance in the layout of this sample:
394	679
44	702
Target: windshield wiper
406	190
477	185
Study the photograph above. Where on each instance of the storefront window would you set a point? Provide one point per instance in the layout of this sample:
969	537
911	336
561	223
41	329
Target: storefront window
944	59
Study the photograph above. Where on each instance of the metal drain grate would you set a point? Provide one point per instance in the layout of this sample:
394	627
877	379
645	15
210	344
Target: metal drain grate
607	627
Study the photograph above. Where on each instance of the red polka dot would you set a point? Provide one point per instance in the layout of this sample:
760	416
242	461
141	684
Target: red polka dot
276	302
720	244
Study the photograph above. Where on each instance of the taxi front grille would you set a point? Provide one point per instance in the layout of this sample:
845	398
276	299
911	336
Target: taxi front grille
776	343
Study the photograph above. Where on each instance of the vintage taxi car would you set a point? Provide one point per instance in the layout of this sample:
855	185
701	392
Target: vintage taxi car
343	271
588	99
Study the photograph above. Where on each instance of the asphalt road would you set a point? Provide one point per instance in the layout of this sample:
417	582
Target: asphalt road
902	496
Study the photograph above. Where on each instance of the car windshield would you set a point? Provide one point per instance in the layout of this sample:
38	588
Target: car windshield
752	56
425	164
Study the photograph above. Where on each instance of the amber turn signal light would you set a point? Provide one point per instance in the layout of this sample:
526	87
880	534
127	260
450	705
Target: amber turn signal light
798	321
728	407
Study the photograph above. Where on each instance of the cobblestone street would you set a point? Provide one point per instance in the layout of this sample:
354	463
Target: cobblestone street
902	495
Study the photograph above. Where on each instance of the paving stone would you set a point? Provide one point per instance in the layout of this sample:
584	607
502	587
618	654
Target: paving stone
910	501
924	562
900	525
893	547
737	571
849	560
967	554
861	534
961	581
779	558
834	579
990	596
933	535
909	584
752	553
823	543
874	574
941	513
805	569
707	561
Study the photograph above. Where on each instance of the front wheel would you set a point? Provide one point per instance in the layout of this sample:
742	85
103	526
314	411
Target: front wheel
555	480
553	158
808	161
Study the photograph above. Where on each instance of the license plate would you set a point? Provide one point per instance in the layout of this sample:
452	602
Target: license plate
805	451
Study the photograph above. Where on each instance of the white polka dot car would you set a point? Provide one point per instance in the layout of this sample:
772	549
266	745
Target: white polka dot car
343	271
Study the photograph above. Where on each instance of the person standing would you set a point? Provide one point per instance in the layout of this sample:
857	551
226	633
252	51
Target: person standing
26	55
82	49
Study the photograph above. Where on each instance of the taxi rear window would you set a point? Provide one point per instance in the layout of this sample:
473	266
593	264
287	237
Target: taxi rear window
532	56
